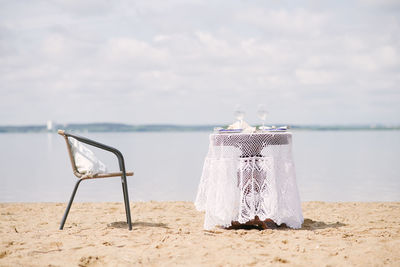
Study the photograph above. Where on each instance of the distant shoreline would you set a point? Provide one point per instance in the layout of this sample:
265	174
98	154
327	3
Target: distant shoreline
119	127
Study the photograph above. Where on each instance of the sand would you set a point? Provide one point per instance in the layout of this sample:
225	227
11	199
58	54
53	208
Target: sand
171	233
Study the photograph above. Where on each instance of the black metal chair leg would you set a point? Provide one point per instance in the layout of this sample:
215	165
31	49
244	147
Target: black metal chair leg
126	200
124	193
69	204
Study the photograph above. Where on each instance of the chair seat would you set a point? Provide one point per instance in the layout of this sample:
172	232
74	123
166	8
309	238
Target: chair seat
104	175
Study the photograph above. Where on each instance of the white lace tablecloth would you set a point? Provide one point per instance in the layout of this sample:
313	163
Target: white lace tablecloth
248	175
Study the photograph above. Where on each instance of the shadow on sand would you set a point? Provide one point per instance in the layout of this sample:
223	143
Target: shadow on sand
123	224
308	224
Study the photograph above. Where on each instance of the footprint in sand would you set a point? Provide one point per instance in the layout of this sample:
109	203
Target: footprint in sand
3	254
89	261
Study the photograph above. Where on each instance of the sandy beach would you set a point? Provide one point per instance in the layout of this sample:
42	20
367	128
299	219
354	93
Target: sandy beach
171	233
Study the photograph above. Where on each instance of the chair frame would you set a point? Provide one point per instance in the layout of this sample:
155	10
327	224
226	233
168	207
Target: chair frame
82	177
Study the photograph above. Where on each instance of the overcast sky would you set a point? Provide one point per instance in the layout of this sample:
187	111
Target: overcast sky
193	61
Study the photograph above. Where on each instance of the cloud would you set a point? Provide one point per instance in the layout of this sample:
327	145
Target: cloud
125	50
381	3
298	21
84	8
309	76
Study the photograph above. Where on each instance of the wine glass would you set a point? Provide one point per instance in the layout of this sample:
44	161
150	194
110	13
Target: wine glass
262	114
239	114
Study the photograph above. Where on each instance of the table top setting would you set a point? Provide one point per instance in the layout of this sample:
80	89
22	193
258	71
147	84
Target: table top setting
241	126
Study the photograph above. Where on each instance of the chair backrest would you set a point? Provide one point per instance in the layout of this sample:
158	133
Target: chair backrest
71	156
84	161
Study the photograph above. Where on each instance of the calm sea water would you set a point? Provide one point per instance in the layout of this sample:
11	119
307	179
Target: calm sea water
330	166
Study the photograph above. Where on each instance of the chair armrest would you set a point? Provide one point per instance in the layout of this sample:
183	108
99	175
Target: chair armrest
105	175
88	141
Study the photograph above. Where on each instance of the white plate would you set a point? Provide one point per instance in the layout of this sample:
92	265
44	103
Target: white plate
230	130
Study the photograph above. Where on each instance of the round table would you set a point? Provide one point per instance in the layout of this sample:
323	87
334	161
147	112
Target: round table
248	176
